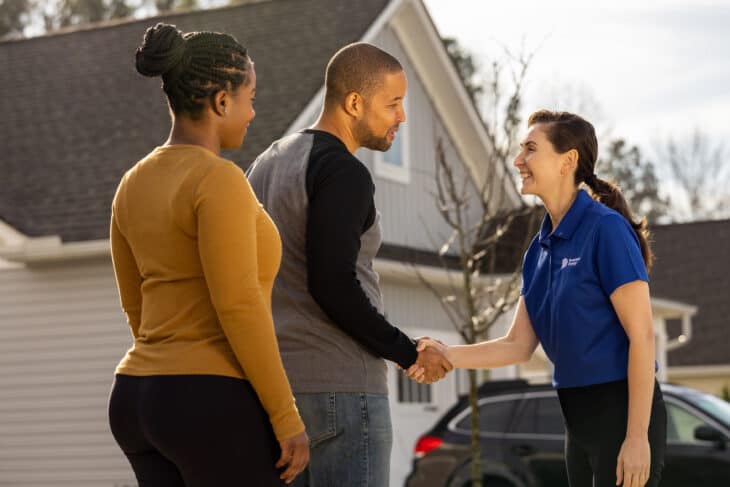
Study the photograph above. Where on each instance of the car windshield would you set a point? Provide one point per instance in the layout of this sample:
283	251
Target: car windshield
713	405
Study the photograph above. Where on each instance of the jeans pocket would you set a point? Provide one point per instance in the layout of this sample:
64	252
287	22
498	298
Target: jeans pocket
319	413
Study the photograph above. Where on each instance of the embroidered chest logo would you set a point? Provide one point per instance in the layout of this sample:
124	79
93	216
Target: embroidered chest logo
569	262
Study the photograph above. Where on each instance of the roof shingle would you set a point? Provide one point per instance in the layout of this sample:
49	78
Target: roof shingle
693	266
76	115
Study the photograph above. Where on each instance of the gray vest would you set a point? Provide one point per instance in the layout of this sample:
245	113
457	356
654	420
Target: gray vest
317	354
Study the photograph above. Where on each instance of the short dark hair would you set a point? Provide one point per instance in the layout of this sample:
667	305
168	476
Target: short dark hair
357	67
194	66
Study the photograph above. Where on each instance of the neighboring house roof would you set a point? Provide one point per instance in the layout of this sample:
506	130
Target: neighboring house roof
693	266
76	115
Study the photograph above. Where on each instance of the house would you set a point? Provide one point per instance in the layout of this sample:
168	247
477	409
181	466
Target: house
693	266
76	116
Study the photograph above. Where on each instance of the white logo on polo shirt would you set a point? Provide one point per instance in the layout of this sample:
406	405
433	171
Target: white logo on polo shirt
569	262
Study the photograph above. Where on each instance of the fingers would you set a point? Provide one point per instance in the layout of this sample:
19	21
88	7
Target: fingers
286	454
448	367
424	343
644	477
619	469
294	455
633	476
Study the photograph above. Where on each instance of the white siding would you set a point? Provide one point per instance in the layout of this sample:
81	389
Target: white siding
417	312
61	336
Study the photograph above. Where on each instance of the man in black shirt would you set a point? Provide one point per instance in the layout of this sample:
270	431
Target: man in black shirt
326	300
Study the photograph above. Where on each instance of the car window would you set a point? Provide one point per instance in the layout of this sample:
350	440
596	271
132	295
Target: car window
681	424
549	416
494	417
540	415
713	405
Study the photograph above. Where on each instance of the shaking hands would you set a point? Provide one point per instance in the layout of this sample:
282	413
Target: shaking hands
432	364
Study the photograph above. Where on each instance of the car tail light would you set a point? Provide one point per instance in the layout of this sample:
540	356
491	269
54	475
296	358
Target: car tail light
426	444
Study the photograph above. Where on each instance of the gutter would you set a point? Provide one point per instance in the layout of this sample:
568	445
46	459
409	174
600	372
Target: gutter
33	250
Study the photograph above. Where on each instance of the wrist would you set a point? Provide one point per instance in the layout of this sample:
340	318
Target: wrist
637	435
449	354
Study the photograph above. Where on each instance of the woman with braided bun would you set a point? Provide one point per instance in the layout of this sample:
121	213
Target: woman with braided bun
201	399
585	299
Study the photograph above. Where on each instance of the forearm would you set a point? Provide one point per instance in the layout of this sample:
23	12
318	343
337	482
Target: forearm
490	354
250	332
641	385
129	280
349	308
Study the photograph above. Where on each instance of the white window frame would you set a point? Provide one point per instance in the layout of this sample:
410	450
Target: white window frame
386	170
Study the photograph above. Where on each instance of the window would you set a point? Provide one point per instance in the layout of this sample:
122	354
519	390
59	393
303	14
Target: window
410	391
540	416
394	164
494	417
549	417
681	424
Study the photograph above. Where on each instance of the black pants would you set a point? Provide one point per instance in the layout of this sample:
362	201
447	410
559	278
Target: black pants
596	417
193	431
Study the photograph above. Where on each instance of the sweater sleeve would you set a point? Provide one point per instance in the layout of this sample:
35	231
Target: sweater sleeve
227	212
129	280
340	207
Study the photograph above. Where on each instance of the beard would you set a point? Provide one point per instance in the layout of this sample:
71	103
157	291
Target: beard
366	138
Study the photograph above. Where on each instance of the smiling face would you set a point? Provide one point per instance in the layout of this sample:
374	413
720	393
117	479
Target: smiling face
240	113
383	113
542	169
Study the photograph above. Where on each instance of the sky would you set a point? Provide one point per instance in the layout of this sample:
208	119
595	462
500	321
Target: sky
643	70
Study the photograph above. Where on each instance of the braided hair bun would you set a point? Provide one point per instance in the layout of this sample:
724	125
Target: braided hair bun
162	49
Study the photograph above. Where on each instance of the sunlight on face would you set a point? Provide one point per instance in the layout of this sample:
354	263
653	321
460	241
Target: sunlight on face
384	113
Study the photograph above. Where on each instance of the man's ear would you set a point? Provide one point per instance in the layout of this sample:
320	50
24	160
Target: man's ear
354	105
219	103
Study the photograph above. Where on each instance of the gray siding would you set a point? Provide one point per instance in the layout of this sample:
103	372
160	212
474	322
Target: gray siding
409	211
61	336
413	306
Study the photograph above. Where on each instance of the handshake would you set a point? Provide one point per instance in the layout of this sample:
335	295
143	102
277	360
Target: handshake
432	363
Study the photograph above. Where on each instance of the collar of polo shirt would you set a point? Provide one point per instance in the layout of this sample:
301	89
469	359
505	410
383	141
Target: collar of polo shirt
570	221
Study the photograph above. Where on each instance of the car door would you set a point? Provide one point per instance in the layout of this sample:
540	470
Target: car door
534	443
689	461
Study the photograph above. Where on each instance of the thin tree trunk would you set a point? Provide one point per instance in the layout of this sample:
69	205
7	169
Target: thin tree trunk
476	449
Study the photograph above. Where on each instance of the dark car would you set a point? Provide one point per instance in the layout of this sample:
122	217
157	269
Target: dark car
522	433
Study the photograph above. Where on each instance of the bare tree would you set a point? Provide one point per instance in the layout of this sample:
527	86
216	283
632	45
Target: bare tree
636	176
489	224
697	173
13	17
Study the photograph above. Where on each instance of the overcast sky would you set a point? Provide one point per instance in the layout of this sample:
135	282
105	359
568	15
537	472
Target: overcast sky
655	68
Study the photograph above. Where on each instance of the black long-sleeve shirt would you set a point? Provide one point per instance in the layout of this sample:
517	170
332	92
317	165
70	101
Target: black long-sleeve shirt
342	208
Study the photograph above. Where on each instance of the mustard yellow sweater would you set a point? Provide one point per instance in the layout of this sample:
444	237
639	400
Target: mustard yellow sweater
195	256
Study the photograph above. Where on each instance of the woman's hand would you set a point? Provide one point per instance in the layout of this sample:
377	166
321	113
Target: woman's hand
294	456
634	462
416	371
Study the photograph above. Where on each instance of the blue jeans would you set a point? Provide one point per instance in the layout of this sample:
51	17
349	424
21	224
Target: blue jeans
350	435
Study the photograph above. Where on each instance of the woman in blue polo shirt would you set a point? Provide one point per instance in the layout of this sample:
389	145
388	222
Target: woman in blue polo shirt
585	298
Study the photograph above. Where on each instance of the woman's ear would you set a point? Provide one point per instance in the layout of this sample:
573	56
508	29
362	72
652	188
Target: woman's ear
570	161
219	103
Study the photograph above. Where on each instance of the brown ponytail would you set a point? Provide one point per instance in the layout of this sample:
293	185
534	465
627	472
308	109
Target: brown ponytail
567	131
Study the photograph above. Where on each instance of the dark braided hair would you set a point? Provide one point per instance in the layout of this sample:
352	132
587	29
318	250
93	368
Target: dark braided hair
567	131
194	66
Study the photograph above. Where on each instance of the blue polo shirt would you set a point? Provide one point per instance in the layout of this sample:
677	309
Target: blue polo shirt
568	277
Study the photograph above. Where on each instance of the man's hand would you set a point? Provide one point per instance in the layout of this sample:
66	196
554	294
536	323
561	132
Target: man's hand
431	364
294	456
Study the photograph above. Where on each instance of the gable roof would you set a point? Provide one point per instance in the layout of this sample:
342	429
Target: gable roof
693	266
76	115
